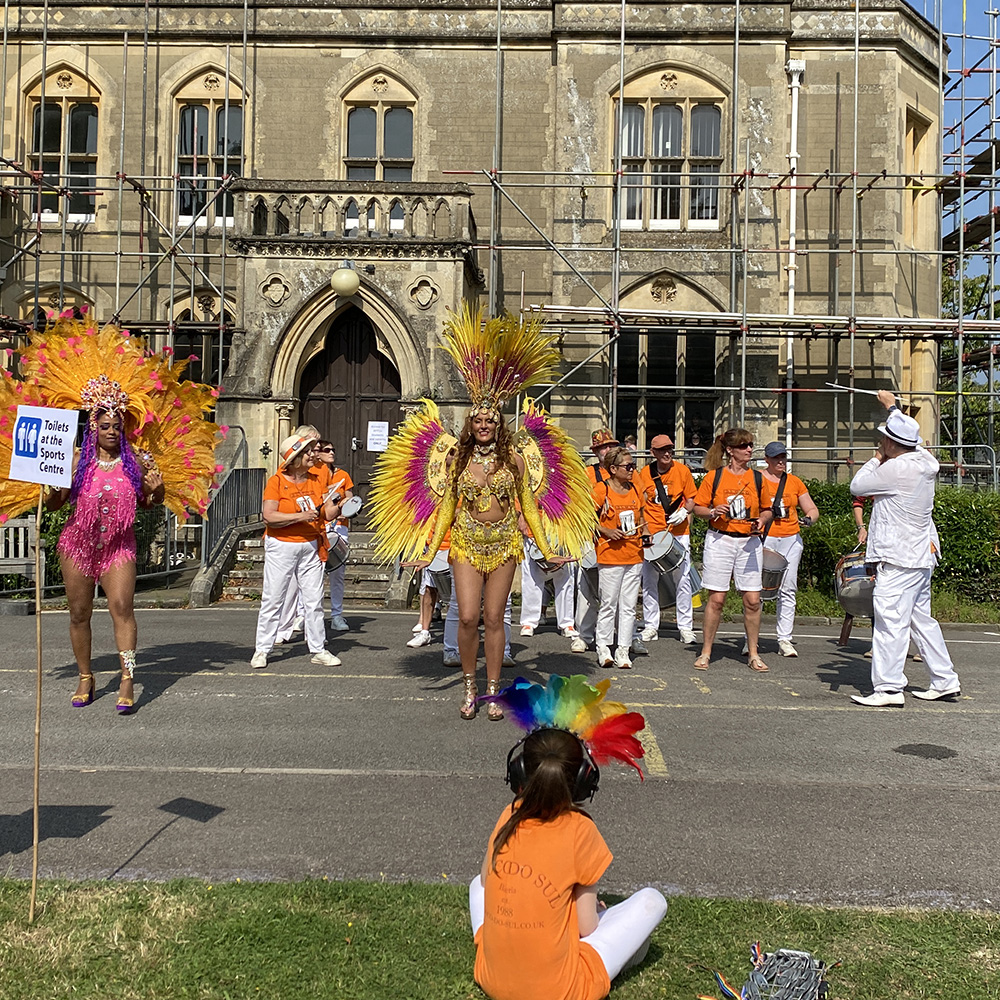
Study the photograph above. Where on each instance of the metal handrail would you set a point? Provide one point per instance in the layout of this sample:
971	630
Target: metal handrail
237	500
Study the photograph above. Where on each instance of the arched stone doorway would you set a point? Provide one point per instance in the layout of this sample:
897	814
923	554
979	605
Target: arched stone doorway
345	386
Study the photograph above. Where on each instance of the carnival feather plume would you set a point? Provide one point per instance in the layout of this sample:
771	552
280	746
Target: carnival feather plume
15	497
607	728
499	356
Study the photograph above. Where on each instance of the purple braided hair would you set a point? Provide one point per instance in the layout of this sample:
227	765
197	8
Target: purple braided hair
88	461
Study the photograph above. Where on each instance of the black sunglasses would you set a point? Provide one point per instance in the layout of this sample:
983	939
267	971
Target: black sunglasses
631	467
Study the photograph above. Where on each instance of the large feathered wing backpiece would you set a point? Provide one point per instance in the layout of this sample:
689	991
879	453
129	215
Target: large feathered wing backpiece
410	479
607	728
498	357
15	497
558	480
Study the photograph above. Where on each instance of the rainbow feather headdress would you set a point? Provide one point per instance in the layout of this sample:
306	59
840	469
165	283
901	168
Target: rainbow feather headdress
498	357
607	728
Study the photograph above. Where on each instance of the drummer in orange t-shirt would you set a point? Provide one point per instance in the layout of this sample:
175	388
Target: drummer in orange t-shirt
668	505
736	502
621	525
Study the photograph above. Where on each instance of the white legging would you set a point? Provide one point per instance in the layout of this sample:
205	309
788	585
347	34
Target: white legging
621	931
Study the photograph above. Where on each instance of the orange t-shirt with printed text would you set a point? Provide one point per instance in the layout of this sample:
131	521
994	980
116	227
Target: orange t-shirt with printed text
731	485
529	946
626	551
677	482
783	527
287	494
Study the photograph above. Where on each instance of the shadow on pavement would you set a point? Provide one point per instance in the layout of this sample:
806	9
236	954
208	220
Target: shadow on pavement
847	668
66	822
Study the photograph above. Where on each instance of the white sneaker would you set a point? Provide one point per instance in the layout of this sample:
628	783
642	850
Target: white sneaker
687	636
417	628
299	624
578	645
508	660
786	648
622	661
527	630
324	658
746	647
649	634
570	632
259	661
451	660
879	699
604	657
422	638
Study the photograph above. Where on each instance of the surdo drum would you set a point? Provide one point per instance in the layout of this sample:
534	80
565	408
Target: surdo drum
666	552
854	581
772	571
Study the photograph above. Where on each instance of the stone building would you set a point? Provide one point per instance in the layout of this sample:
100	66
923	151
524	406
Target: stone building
207	168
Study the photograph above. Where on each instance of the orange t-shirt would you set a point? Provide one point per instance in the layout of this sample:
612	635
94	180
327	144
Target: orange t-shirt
592	474
292	497
730	486
626	551
677	482
341	480
529	946
782	527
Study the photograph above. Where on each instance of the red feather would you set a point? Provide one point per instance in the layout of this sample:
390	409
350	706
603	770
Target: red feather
614	739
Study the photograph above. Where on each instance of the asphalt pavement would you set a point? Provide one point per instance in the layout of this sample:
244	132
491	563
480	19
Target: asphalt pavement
758	785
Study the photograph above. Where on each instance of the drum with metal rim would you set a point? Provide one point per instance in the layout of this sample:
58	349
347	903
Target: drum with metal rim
339	553
854	582
666	552
534	553
350	508
772	572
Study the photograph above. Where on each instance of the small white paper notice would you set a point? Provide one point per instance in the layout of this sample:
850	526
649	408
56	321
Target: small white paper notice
378	435
43	446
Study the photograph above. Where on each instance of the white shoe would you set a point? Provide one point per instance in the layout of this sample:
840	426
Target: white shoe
880	699
622	661
324	658
299	624
259	661
417	628
649	634
451	660
570	632
508	660
746	647
933	695
604	657
527	630
279	642
422	638
786	648
578	645
687	636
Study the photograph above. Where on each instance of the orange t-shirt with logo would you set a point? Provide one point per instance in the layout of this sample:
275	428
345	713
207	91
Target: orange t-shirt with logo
783	527
292	497
731	485
625	551
529	946
677	482
341	480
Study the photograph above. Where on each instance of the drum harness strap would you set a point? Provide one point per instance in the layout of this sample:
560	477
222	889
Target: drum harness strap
668	505
758	480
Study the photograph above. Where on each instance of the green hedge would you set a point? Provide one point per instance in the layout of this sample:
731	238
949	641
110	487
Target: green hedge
968	524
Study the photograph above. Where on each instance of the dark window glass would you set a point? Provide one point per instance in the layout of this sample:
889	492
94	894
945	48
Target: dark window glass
194	130
191	194
704	193
83	129
398	173
361	125
706	124
398	134
51	133
229	132
82	180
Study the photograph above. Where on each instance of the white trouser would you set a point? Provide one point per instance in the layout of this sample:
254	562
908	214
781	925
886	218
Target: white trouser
790	546
621	930
337	576
291	569
619	593
651	590
451	624
588	600
533	593
902	608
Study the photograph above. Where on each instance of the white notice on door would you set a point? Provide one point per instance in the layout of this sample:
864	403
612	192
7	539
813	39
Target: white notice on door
378	435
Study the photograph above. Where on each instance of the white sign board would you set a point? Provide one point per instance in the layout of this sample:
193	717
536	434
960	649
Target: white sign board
43	446
378	435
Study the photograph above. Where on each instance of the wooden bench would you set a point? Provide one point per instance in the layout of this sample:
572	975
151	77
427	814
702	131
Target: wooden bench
17	548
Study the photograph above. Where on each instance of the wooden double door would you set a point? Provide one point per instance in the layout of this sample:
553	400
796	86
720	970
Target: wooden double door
345	387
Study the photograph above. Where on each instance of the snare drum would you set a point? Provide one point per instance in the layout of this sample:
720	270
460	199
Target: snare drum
350	508
339	553
438	569
666	553
772	572
854	581
534	553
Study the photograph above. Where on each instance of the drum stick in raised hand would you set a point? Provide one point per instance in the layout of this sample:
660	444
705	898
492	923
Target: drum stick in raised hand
864	392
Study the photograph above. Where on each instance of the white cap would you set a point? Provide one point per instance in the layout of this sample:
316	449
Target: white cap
902	429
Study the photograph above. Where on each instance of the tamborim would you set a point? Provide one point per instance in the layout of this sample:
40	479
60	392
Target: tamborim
854	581
534	553
350	508
772	572
339	553
666	553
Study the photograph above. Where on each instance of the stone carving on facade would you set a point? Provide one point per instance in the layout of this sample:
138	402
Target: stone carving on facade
668	81
423	292
284	410
64	81
380	84
206	303
212	81
663	290
274	289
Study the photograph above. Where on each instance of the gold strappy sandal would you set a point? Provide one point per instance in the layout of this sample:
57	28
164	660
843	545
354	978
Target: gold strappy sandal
83	700
469	706
493	711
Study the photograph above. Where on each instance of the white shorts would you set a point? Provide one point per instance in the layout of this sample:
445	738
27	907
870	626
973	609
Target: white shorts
728	557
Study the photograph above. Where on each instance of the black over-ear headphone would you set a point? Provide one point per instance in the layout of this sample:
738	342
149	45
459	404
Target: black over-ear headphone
584	785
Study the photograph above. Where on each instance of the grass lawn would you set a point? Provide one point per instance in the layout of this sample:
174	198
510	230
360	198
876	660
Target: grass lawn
361	941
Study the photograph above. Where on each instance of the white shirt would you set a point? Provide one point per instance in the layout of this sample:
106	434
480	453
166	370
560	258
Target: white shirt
901	530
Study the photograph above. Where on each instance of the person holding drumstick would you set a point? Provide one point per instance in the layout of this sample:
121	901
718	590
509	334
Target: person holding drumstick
342	484
668	490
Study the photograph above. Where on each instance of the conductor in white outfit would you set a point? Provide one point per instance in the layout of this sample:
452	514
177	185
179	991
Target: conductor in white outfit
903	543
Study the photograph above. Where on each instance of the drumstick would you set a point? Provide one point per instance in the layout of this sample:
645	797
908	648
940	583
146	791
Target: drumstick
864	392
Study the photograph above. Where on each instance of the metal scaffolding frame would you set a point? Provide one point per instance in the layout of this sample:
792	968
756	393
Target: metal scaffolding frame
965	189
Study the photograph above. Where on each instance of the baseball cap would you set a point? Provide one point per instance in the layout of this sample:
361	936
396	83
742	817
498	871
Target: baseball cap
775	448
661	441
601	437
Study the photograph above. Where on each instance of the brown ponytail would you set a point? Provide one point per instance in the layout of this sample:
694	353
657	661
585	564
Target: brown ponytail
716	456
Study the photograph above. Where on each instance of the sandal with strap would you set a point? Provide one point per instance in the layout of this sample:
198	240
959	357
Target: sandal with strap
493	711
83	700
469	707
756	664
702	662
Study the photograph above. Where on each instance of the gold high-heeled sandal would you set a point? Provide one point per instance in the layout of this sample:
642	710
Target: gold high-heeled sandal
493	711
469	706
83	700
125	705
